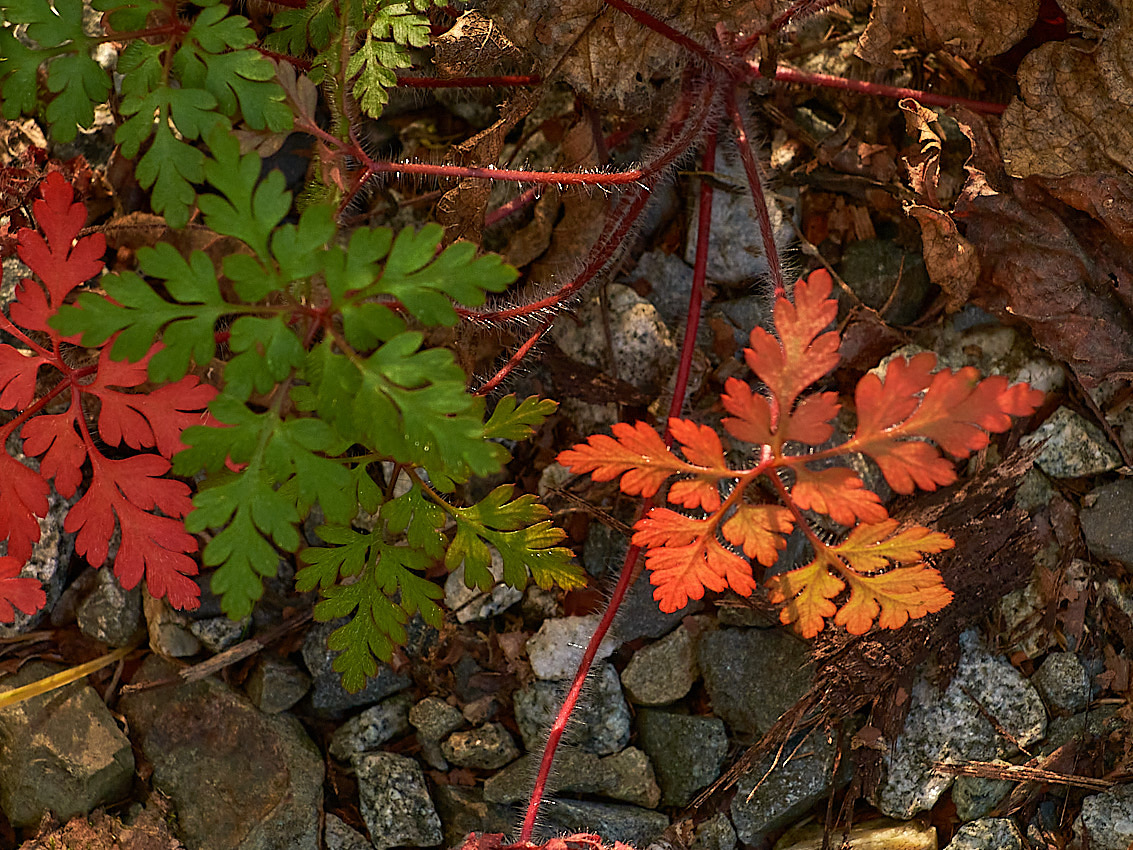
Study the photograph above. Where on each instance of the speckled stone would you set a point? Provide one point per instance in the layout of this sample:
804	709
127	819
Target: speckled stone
395	801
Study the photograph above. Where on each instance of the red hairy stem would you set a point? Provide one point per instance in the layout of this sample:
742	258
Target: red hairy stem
787	74
514	361
676	139
468	82
798	9
630	571
759	199
528	197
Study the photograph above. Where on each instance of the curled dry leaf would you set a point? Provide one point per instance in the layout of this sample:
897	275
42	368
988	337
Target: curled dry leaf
1056	253
474	46
974	29
1071	116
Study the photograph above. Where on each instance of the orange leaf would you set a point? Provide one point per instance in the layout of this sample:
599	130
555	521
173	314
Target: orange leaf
953	409
837	492
636	450
759	529
752	413
811	422
685	558
803	353
701	446
808	592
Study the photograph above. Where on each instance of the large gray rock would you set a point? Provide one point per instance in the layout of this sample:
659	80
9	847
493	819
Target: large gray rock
987	834
687	752
771	795
464	810
1105	522
662	672
951	727
1063	683
556	649
753	676
339	836
60	752
238	778
395	801
1071	446
276	684
601	722
110	613
629	824
1107	819
372	728
627	776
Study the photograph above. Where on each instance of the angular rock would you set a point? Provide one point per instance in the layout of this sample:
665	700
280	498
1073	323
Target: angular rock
1072	446
61	752
632	778
1104	519
662	672
276	684
687	752
987	834
753	676
328	697
716	833
784	794
110	613
629	824
1063	683
949	726
1107	819
976	797
735	253
556	649
602	725
395	801
169	634
238	778
627	776
433	718
487	747
339	836
464	810
372	728
219	633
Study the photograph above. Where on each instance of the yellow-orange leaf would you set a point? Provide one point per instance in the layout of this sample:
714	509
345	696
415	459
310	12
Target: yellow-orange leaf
811	421
759	529
868	549
808	592
893	598
681	573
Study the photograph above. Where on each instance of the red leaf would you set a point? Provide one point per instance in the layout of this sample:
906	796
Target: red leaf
58	260
18	374
812	420
22	592
65	452
23	497
140	420
751	412
152	546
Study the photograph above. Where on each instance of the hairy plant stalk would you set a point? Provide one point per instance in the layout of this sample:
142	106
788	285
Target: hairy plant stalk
630	567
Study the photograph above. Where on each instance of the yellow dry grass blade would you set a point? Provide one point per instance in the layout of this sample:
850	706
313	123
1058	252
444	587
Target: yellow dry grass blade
63	677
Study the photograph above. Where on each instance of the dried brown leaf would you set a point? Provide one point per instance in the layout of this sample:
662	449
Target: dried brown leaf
605	55
1069	276
474	46
1071	117
974	29
923	164
949	258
